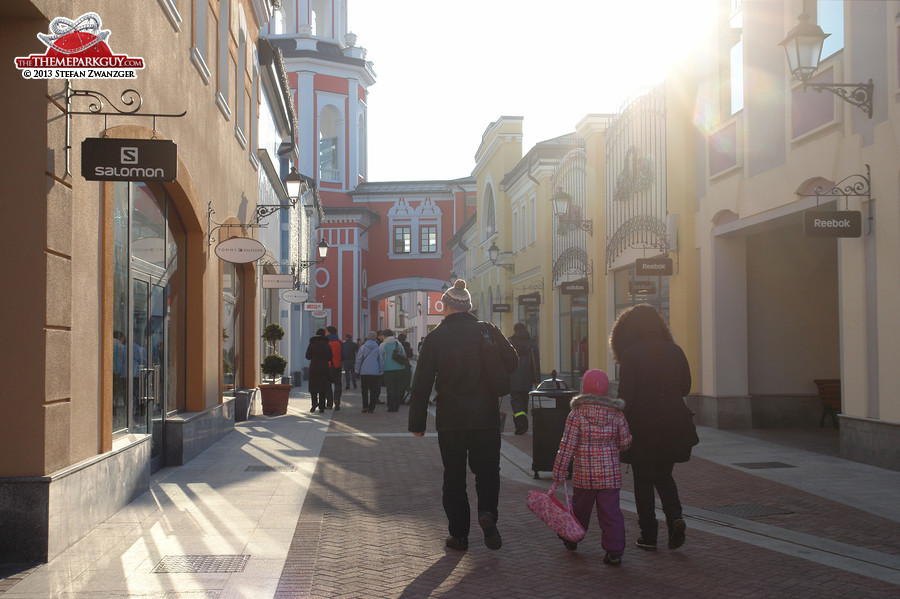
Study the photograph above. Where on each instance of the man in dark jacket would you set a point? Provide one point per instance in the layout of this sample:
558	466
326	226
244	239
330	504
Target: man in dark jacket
349	360
467	417
318	352
526	375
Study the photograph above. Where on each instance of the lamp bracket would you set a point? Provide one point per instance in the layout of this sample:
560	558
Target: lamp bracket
858	94
264	210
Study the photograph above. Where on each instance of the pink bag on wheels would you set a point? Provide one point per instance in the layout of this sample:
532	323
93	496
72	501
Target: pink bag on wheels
557	516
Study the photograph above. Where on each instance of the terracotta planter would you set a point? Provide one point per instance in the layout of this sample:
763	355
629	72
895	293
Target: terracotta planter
275	399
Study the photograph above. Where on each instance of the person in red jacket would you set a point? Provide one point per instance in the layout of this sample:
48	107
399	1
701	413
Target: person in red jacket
337	350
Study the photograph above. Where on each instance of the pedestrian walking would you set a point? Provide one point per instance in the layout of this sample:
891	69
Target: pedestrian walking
467	416
370	366
318	352
407	368
654	377
349	361
525	377
337	352
596	431
394	364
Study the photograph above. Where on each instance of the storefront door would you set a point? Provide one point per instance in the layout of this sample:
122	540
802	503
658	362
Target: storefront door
150	323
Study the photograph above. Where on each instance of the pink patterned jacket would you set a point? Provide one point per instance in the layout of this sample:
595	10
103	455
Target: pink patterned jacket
596	431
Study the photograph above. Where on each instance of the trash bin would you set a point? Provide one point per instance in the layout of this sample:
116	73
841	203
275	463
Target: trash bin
549	409
242	405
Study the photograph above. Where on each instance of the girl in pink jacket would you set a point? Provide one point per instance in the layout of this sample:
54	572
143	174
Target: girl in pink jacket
596	431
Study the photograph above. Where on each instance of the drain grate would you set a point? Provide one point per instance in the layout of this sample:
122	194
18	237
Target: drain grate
201	564
748	510
271	469
762	465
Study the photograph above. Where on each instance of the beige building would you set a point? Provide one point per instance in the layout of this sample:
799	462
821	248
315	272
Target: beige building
113	350
784	302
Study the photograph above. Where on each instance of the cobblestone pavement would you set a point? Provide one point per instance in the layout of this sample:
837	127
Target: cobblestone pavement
373	526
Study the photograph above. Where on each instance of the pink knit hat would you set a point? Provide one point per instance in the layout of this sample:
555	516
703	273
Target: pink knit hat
595	382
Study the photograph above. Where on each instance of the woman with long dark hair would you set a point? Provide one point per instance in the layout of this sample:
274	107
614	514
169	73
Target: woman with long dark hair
654	377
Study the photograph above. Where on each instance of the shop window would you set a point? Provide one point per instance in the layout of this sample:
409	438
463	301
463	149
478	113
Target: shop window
231	328
329	145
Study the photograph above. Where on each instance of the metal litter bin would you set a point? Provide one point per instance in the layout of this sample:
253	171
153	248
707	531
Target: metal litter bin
549	409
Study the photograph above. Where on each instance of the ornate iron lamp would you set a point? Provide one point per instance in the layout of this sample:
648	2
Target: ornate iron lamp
295	184
803	47
494	254
321	249
561	201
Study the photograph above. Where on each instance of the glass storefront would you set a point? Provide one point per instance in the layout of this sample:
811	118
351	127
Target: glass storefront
632	289
573	338
231	331
148	312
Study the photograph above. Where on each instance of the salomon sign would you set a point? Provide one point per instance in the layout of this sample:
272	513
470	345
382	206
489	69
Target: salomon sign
106	159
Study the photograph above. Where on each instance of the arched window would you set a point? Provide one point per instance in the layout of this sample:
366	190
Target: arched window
321	18
329	145
490	214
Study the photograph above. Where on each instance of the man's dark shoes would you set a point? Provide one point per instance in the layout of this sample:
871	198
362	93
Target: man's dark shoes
613	559
521	423
458	544
570	545
676	534
646	544
492	538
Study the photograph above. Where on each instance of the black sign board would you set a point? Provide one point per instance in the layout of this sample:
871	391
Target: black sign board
532	299
501	307
660	266
820	223
108	159
574	288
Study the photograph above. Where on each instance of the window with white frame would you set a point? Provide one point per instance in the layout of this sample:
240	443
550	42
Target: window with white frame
830	17
490	216
239	83
532	219
428	239
223	58
200	51
736	63
321	18
402	239
254	104
329	144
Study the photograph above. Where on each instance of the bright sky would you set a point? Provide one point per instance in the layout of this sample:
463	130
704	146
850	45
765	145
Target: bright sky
446	70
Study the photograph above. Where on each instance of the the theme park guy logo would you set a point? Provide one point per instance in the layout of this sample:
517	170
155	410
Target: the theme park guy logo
78	50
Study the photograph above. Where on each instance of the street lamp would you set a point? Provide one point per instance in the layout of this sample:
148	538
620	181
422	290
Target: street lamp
294	184
803	47
321	249
494	255
561	202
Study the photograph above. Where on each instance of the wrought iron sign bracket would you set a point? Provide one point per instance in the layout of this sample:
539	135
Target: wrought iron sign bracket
210	229
130	100
852	186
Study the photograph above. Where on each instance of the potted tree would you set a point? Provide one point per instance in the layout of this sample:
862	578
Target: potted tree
274	395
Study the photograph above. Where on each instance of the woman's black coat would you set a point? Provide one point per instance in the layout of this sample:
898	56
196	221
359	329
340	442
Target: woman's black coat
654	377
529	371
319	355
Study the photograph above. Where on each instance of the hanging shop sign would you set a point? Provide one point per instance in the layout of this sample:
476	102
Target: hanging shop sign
311	306
531	299
659	266
574	288
272	281
501	307
240	250
108	159
319	314
295	296
844	223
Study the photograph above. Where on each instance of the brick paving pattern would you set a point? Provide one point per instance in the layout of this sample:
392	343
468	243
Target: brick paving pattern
373	526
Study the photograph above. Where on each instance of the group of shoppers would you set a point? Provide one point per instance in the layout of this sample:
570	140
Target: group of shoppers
637	428
382	360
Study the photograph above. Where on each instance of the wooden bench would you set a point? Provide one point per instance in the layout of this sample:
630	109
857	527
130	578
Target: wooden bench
830	395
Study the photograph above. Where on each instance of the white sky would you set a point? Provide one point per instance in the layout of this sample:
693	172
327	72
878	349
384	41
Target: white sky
446	70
